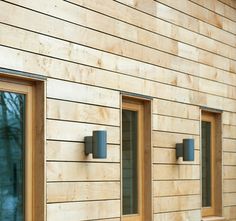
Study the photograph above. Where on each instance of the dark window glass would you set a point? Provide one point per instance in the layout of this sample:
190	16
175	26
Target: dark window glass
129	162
11	156
206	164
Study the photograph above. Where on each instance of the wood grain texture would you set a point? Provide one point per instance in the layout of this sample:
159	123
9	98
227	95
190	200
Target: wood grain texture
73	52
229	144
229	186
71	131
229	212
178	203
168	156
175	172
176	188
229	199
74	151
194	215
174	109
178	125
83	210
203	15
71	171
181	54
63	110
167	139
82	191
229	172
111	44
218	7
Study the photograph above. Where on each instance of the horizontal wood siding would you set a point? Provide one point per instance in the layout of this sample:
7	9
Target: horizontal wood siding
182	54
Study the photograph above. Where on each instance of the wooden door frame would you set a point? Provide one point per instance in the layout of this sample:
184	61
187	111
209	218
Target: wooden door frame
144	106
34	150
26	90
209	117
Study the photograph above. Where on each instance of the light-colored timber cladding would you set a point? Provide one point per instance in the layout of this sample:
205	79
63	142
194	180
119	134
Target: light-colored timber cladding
180	53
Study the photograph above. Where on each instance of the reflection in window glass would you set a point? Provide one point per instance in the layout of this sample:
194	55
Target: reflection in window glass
11	156
206	164
129	162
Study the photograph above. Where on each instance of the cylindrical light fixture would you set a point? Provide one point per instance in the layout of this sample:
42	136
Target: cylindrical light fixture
188	149
99	144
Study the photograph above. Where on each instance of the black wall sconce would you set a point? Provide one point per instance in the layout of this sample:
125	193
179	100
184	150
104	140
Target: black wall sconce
185	150
96	144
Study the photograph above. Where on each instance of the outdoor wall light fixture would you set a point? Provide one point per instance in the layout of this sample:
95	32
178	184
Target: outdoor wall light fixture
96	144
185	150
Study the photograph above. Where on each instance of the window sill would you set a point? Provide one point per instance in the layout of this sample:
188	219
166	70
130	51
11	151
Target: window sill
213	218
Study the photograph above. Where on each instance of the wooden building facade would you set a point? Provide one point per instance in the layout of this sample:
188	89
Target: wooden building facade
80	63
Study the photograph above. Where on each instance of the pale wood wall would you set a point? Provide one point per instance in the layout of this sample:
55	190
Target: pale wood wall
181	53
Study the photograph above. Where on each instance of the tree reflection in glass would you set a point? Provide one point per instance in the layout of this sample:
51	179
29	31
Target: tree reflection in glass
12	114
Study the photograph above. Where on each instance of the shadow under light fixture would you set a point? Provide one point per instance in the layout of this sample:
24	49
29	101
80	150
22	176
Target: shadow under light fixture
96	144
185	150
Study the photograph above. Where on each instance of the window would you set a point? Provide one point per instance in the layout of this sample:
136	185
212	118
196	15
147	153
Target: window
18	196
211	164
136	161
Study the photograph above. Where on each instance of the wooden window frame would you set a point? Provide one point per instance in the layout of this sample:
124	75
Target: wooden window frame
143	107
216	164
34	169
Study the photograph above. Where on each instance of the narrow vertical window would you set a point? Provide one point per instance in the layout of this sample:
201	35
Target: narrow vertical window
130	161
134	176
211	174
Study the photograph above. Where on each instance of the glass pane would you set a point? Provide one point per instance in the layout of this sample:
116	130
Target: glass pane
206	164
129	162
11	156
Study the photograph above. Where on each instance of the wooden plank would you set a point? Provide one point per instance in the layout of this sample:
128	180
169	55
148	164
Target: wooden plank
229	186
74	151
204	15
230	3
229	199
176	203
229	145
88	18
218	7
170	172
189	23
229	118
73	52
70	111
229	131
73	171
193	215
229	212
110	9
212	87
211	101
104	42
118	219
83	210
82	93
165	139
137	86
229	172
178	125
82	191
164	107
176	188
89	75
168	156
229	159
70	131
